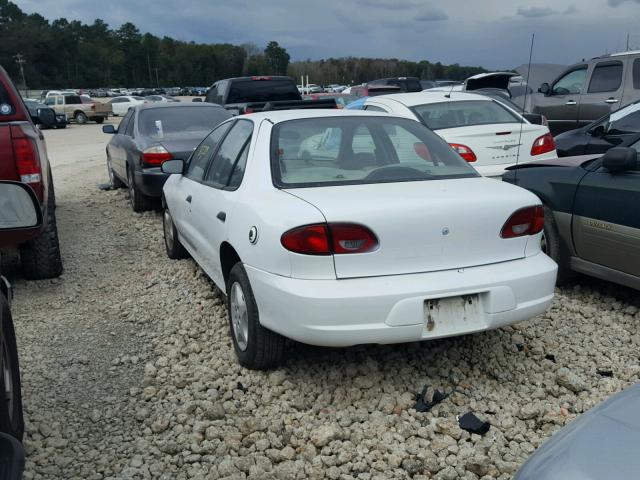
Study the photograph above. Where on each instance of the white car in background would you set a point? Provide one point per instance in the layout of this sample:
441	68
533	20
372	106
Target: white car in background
340	229
121	105
486	133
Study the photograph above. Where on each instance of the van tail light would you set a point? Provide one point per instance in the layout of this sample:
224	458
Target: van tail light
543	144
526	221
464	151
27	163
155	156
330	239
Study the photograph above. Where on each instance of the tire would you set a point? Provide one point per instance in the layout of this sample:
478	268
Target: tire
113	178
99	120
41	257
175	249
81	118
139	201
11	416
555	248
256	347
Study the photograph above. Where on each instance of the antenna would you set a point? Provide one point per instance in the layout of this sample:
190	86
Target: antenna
524	106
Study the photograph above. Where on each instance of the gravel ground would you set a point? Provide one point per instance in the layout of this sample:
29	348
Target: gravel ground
128	370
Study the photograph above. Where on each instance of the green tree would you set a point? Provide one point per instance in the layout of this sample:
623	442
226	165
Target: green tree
277	59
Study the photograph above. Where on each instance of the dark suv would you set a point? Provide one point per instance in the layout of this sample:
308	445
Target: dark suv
406	84
23	158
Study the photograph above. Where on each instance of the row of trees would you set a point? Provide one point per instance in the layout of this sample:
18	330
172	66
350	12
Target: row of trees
66	53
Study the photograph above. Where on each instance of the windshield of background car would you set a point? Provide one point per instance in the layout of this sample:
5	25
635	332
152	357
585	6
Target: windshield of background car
625	120
159	122
463	113
262	91
360	150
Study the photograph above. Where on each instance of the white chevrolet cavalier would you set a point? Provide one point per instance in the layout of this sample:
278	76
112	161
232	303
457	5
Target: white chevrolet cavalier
339	229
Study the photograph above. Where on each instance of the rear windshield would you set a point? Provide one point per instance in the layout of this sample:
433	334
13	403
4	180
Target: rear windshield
6	107
360	150
160	122
463	114
262	91
72	99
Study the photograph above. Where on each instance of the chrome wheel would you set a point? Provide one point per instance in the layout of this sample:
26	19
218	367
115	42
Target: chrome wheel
7	381
239	316
168	229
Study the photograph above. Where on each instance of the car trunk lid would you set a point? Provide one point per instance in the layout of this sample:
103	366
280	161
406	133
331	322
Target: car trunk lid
424	226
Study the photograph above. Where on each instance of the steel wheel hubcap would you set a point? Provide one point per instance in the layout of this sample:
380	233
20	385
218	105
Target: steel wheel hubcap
239	316
7	381
168	228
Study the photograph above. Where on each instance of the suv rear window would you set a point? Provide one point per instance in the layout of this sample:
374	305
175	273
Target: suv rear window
317	152
636	74
262	91
463	114
606	77
6	107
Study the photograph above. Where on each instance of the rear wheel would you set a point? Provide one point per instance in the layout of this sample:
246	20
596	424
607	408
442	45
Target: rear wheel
11	417
81	118
41	257
139	201
175	249
256	347
552	245
99	119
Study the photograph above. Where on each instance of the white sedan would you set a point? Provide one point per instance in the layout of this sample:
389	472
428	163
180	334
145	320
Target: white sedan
339	229
122	104
486	133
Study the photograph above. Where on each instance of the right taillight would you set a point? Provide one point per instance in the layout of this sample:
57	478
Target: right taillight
543	144
464	151
526	221
329	239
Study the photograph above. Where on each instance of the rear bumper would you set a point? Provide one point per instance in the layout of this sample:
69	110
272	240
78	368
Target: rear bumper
150	181
390	309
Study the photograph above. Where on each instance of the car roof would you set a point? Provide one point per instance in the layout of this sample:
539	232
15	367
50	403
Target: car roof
284	115
420	98
148	106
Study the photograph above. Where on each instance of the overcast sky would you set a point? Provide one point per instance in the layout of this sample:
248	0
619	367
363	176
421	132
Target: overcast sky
489	33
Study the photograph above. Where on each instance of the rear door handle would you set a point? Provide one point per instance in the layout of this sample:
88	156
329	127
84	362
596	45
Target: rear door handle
222	216
188	199
571	102
611	100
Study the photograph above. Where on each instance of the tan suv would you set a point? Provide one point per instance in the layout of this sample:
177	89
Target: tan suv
588	90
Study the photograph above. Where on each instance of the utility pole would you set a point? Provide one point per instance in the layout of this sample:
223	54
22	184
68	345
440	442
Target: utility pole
149	65
157	81
21	61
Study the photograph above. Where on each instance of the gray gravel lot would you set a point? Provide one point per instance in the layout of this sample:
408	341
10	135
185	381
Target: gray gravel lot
128	370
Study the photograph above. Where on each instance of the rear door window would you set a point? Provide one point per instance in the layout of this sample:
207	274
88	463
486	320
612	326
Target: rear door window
636	74
606	77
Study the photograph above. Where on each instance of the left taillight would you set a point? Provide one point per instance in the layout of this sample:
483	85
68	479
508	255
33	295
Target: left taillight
155	155
329	239
543	144
526	221
464	151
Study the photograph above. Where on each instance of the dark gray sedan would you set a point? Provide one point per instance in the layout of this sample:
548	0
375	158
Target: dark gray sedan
150	134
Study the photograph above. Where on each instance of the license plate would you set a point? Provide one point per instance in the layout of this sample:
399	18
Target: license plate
451	312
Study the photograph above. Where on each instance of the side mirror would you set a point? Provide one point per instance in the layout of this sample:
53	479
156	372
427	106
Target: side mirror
197	99
46	117
545	89
597	131
173	167
620	159
19	207
110	129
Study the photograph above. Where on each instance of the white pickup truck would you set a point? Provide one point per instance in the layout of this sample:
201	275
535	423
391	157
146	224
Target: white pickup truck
79	108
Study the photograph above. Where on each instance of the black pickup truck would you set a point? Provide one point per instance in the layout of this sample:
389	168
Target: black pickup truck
243	95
